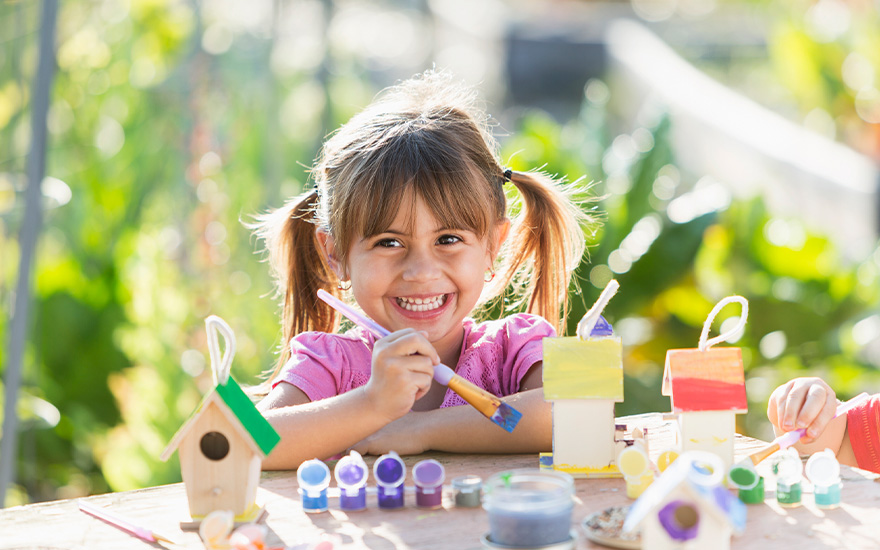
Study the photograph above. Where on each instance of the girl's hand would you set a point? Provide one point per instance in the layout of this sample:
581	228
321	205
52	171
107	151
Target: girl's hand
402	371
802	403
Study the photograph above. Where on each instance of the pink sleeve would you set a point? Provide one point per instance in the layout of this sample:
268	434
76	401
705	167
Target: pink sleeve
525	346
863	427
316	365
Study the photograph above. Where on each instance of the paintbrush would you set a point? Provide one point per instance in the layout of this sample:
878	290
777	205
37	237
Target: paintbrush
790	438
493	408
125	524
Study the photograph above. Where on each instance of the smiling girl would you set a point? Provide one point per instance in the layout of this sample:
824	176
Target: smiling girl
409	219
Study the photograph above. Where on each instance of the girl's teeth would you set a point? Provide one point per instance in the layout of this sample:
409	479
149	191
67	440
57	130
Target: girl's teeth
421	304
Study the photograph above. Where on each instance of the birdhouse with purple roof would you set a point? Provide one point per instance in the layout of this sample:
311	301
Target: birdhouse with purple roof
583	378
222	444
707	390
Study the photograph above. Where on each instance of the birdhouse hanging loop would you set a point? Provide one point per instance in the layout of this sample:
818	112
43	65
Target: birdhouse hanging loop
220	366
704	344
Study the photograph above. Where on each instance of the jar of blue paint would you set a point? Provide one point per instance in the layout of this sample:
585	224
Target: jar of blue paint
823	471
529	507
390	471
351	475
428	476
313	477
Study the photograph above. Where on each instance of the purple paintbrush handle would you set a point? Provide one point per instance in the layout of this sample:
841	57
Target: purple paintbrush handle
117	521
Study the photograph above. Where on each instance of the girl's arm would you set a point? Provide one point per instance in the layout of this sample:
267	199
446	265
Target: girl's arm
465	430
402	369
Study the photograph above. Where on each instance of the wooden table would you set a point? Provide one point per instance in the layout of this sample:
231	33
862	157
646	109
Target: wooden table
60	525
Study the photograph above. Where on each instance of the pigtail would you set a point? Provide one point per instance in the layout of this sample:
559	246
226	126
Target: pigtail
299	268
545	245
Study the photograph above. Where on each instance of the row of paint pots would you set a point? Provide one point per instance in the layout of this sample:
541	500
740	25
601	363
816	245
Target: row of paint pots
351	473
822	469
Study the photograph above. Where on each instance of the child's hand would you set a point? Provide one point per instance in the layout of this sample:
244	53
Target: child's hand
802	403
402	371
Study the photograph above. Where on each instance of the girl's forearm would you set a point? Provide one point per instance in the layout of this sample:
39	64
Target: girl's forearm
464	430
320	429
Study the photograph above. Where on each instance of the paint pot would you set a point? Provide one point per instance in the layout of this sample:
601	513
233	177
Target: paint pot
529	508
634	464
745	479
666	459
313	477
390	471
823	471
351	475
467	491
788	470
428	476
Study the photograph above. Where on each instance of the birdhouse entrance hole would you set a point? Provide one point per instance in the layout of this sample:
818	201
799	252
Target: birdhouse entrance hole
214	445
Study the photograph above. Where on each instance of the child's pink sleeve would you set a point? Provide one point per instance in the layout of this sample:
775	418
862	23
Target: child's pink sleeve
317	365
863	426
525	335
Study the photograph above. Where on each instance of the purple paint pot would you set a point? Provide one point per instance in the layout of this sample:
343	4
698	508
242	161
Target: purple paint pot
313	477
680	520
351	475
390	471
428	475
529	507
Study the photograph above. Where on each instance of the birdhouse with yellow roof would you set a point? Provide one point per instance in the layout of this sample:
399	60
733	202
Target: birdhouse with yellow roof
583	378
222	444
707	389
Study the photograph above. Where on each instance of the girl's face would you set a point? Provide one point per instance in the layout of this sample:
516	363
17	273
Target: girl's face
420	275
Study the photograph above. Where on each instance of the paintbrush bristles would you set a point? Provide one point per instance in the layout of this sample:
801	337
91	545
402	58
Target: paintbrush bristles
758	456
492	408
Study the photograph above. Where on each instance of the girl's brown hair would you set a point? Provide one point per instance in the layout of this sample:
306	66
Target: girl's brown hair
424	138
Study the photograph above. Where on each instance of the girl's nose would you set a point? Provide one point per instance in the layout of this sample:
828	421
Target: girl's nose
420	267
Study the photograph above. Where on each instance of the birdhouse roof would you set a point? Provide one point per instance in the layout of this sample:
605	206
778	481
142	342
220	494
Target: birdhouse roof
583	369
708	380
242	409
677	479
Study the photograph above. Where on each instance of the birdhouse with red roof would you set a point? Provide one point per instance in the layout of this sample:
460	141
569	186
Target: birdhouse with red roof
222	444
707	389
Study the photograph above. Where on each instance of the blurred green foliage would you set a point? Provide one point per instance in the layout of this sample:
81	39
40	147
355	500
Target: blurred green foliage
167	148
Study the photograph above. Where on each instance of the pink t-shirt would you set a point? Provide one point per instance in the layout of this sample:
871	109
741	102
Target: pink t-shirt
496	355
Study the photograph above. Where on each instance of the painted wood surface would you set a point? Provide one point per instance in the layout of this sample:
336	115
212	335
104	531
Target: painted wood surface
583	437
59	525
710	380
583	369
711	431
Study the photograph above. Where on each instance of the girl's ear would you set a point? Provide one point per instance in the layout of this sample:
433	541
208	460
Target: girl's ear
328	248
502	229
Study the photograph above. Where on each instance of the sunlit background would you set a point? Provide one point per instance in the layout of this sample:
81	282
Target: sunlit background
735	145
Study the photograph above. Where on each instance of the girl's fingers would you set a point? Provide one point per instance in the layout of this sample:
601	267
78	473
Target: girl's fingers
829	409
814	403
410	342
778	399
793	403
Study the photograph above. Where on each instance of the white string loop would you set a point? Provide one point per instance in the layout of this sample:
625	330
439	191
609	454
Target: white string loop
589	320
704	345
220	366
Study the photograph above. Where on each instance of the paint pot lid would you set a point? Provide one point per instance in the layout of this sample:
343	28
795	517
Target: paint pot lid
389	470
567	544
313	475
632	462
428	473
467	484
743	476
706	469
351	471
788	467
823	469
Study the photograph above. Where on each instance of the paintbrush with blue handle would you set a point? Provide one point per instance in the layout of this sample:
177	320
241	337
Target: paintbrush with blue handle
491	406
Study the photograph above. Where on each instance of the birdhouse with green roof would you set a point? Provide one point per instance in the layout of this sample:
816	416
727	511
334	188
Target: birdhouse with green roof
222	444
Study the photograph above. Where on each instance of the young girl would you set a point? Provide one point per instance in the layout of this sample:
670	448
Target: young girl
409	218
810	403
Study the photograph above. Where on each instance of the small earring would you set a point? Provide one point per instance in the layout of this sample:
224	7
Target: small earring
489	276
342	286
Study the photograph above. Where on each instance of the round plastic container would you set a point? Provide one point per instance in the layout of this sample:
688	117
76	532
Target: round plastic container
390	471
313	477
748	483
823	471
529	508
428	476
351	473
467	491
788	469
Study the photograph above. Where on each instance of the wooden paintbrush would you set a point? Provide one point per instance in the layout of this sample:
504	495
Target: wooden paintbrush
790	438
492	408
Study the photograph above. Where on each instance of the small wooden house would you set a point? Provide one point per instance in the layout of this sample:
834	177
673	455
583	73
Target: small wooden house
222	445
687	507
583	378
707	390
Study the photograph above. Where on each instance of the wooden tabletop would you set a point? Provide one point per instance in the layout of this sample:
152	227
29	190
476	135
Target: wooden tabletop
60	525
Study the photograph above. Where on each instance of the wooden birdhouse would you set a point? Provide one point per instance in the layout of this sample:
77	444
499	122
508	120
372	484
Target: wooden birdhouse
707	390
583	378
222	444
687	507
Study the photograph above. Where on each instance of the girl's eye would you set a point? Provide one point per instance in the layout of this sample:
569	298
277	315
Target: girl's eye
449	239
388	243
